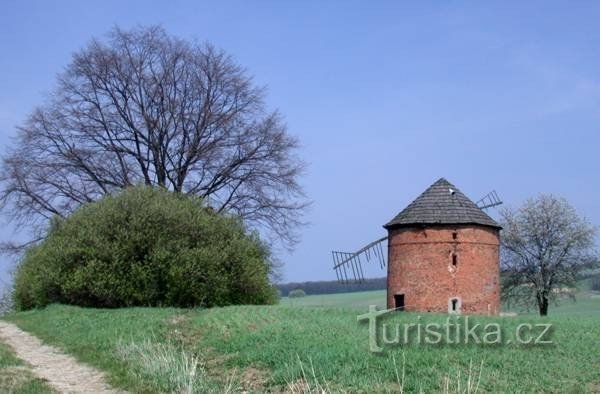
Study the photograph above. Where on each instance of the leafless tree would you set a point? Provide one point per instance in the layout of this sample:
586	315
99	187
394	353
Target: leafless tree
145	107
545	245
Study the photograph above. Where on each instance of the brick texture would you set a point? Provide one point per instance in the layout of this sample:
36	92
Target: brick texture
420	266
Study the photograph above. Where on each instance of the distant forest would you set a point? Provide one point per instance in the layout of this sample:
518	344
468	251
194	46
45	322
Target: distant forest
332	286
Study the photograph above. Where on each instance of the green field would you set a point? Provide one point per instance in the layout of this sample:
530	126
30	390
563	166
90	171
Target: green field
346	300
313	343
586	303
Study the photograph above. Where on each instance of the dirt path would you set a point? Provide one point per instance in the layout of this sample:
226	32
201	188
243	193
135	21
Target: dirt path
61	371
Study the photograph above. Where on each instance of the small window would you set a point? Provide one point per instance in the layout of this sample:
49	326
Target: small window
454	235
454	259
454	305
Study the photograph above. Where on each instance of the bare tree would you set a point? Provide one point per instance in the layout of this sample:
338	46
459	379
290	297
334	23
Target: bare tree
145	107
545	245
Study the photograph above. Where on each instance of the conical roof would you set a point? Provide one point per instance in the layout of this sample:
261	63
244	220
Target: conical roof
442	203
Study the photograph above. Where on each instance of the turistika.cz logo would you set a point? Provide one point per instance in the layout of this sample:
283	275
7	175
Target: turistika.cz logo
455	330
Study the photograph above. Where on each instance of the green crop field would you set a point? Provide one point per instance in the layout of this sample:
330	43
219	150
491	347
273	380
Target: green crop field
315	343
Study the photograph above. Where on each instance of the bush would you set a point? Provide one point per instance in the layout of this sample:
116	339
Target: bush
145	247
296	293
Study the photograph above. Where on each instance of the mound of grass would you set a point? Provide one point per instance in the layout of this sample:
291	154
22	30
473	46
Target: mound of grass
278	348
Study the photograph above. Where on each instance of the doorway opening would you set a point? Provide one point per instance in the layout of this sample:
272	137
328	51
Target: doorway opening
399	302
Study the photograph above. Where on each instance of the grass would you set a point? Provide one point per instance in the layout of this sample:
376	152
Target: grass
15	376
169	367
94	335
313	343
357	300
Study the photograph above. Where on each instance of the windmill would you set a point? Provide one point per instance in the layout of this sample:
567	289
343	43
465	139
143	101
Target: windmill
348	266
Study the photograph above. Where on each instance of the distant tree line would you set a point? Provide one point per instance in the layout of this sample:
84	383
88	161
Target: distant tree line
332	286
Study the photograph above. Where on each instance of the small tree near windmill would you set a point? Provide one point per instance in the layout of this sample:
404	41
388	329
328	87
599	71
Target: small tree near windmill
296	293
545	245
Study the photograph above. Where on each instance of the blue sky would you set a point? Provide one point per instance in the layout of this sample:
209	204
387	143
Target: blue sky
385	97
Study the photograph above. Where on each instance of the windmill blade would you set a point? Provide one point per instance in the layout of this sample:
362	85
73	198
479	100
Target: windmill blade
337	272
489	200
345	263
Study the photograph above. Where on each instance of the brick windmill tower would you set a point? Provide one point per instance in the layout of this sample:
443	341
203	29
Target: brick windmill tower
443	254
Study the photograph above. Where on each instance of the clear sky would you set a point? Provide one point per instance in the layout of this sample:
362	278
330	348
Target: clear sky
385	97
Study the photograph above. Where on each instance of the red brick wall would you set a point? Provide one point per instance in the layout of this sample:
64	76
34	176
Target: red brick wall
420	266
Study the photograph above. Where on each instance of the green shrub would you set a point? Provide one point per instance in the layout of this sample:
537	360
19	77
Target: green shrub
296	293
145	247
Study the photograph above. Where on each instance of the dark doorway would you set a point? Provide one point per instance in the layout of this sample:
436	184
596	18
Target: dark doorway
399	301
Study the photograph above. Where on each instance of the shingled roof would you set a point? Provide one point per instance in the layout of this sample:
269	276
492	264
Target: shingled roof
442	203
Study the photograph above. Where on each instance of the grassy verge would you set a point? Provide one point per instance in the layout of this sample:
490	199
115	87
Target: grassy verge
279	348
94	335
15	376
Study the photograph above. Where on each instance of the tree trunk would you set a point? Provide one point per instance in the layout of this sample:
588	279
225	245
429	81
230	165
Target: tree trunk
543	305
